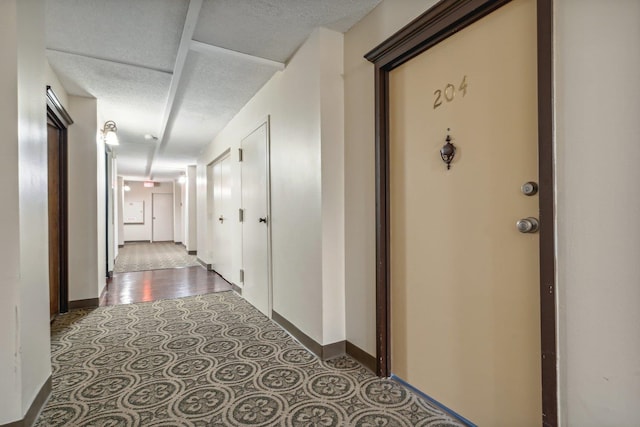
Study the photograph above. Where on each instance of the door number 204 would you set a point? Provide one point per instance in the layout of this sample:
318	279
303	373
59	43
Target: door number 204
449	93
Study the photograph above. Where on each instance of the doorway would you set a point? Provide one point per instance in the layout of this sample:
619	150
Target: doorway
256	220
162	217
221	215
465	302
58	120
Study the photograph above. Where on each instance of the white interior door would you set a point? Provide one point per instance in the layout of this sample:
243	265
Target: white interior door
256	221
465	296
222	217
162	214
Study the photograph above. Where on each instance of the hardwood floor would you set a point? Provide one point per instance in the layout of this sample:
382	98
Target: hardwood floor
145	286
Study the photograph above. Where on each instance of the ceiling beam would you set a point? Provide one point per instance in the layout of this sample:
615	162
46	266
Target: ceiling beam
113	61
205	48
181	58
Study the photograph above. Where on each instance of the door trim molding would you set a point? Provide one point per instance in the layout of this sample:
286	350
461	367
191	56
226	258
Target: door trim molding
59	116
439	22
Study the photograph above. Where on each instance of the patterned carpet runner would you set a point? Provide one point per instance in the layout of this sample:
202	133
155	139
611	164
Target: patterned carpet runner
210	360
152	256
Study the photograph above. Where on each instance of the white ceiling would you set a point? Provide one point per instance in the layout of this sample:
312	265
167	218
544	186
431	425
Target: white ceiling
178	69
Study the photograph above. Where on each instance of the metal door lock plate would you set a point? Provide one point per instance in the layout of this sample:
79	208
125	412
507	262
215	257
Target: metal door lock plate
529	188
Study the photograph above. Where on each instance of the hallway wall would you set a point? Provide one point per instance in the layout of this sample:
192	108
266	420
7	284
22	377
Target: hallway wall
140	193
190	216
598	207
597	201
360	256
306	182
87	263
120	197
178	210
24	273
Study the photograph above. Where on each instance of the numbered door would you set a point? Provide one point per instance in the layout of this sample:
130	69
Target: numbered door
162	217
222	217
256	222
465	304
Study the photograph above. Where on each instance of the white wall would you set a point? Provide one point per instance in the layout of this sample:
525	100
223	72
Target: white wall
117	208
302	122
178	226
56	86
10	364
190	216
332	176
360	256
87	263
598	206
140	193
110	217
101	221
120	197
24	307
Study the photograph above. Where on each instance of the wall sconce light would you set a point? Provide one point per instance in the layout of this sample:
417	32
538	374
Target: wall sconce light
182	179
109	133
126	188
448	151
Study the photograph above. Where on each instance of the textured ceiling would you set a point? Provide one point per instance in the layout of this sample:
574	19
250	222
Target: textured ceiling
141	32
133	56
274	29
215	87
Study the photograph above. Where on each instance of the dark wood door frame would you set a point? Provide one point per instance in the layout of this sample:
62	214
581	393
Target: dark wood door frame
439	22
60	118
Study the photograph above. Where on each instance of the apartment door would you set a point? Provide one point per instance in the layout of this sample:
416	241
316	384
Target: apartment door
55	232
223	217
162	217
256	221
464	279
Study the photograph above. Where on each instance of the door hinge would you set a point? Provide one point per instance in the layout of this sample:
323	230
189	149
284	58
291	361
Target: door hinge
239	154
241	215
241	276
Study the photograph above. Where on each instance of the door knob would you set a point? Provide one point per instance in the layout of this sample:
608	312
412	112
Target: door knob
528	225
263	220
221	219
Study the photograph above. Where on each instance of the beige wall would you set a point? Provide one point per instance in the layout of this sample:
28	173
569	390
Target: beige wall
598	274
120	202
190	211
360	262
86	194
56	86
332	172
304	103
140	193
598	207
10	395
178	227
24	306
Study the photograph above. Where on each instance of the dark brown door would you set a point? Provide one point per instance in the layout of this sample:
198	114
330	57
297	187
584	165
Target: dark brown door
53	149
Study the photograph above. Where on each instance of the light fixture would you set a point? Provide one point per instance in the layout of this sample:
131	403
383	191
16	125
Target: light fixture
109	133
127	188
150	137
182	179
149	184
